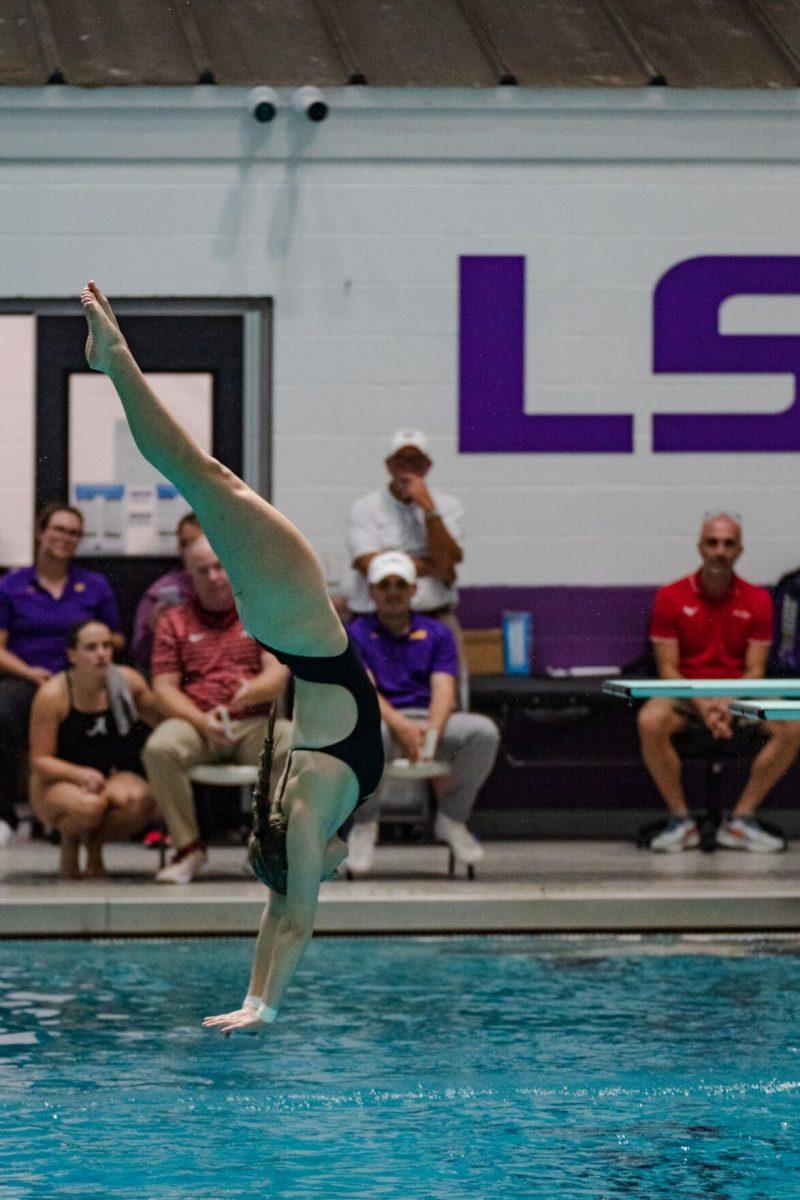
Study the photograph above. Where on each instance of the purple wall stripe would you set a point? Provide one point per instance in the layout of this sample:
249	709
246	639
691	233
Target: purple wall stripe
572	626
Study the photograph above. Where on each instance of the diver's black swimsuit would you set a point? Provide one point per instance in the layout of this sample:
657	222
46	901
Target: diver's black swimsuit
362	749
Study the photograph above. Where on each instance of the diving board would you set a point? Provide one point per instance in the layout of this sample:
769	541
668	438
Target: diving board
693	689
768	709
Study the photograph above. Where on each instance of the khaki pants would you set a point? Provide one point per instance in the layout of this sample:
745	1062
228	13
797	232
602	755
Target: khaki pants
175	746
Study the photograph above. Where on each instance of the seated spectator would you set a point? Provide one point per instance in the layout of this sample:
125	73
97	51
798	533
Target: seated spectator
712	625
215	684
38	606
173	587
427	525
784	658
85	737
412	660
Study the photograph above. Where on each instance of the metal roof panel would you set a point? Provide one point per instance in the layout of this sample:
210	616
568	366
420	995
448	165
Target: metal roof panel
414	43
115	42
550	43
781	20
707	43
21	59
402	43
276	42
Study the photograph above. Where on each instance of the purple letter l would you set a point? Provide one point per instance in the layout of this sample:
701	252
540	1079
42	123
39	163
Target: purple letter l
492	374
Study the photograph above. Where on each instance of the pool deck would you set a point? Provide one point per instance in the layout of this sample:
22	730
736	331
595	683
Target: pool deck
520	887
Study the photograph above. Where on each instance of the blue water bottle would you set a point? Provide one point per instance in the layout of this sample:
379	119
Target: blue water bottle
517	643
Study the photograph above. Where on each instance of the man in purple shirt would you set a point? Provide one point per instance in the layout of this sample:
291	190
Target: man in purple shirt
413	662
171	588
38	607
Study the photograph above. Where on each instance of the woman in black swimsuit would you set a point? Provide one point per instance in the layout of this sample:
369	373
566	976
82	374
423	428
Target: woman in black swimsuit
85	737
336	757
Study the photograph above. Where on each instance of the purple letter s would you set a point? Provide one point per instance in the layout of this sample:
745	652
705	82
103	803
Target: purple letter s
686	339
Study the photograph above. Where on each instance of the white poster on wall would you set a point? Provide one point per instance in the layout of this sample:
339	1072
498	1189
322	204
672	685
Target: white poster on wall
127	506
17	423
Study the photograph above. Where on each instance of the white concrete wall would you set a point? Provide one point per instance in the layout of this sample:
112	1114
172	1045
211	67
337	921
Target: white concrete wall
361	259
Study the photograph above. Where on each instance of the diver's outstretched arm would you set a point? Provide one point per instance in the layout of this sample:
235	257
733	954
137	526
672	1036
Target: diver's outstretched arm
270	919
286	927
277	579
245	1018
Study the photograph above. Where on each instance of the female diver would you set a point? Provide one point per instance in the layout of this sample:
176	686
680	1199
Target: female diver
336	756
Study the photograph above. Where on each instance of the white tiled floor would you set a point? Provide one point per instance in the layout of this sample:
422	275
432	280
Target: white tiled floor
544	885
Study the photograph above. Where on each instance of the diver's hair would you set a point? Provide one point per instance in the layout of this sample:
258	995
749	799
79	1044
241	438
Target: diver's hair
260	798
266	846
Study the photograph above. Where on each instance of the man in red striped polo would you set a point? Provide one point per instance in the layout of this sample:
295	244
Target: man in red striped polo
215	684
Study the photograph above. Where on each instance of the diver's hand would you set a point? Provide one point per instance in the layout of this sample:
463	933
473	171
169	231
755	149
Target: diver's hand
243	1020
225	1018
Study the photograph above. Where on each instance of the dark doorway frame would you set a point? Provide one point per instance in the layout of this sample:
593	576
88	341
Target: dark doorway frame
255	457
244	444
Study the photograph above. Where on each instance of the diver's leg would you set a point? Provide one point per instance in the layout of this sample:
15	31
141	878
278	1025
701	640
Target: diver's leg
276	577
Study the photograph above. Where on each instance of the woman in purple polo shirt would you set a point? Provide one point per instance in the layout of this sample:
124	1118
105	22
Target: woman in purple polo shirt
38	606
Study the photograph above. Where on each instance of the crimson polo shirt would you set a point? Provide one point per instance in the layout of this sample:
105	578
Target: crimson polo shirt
402	665
38	624
712	633
211	652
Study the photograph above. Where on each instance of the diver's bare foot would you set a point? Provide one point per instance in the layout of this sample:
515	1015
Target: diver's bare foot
69	864
105	341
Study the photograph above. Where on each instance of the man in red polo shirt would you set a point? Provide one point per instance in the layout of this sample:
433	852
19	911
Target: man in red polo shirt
712	625
215	684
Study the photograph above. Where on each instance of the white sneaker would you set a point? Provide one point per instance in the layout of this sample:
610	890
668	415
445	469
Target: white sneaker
681	833
746	833
465	847
184	870
6	834
361	847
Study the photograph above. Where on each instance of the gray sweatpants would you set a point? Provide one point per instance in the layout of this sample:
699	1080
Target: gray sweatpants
469	744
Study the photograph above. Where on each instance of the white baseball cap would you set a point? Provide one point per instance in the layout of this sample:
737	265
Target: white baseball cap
392	562
408	437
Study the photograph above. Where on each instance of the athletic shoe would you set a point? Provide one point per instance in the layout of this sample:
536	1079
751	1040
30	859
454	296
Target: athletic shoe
465	847
746	833
680	833
361	847
183	869
6	834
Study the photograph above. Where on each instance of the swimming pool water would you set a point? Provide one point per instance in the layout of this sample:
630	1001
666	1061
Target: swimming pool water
517	1067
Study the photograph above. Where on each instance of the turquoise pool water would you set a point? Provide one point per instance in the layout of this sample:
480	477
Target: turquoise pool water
518	1068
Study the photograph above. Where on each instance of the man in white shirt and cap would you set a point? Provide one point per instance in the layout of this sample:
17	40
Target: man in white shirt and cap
407	515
